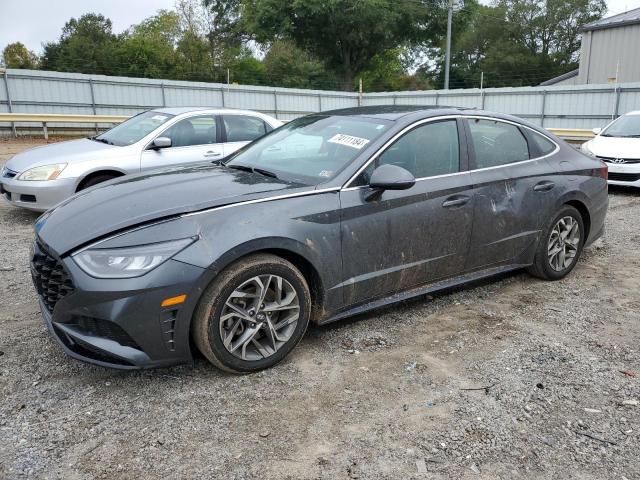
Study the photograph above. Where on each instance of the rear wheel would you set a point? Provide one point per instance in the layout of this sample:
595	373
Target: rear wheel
253	314
561	245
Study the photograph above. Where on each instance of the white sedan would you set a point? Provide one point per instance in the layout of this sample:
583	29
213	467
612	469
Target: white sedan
618	144
42	177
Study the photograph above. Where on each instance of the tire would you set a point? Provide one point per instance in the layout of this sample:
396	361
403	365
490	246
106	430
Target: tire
550	267
91	181
210	329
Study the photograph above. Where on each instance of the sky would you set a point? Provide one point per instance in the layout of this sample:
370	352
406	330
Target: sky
34	22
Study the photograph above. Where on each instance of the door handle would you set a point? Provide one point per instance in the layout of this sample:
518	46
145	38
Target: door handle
213	154
455	201
544	186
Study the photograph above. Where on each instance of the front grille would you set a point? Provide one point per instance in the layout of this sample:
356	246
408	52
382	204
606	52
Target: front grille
49	277
624	177
95	327
619	160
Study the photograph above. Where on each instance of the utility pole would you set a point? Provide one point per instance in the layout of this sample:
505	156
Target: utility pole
448	53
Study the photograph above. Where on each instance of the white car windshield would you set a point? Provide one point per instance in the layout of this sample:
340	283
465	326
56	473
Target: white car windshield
625	126
134	129
309	150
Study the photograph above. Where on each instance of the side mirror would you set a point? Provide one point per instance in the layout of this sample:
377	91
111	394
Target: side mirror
391	177
161	142
596	131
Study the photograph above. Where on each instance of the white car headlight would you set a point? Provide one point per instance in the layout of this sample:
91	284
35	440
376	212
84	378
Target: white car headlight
45	172
586	150
128	262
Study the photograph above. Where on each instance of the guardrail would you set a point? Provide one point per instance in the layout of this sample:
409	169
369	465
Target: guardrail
570	134
47	118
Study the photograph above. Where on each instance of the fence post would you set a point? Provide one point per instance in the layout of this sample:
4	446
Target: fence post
44	129
222	93
93	106
360	92
9	104
543	107
437	98
617	107
164	98
319	102
275	103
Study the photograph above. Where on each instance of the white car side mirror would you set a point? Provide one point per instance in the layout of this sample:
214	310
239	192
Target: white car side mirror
161	142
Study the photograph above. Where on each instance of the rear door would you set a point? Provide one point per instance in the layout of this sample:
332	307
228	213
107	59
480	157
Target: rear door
193	139
409	237
513	188
239	130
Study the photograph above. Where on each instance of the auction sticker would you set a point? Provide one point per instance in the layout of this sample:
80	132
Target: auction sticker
348	140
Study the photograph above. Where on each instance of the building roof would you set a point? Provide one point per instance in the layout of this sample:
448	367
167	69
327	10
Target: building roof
559	78
630	17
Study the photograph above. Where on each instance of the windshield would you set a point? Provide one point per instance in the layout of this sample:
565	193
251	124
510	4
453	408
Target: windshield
133	129
625	126
310	150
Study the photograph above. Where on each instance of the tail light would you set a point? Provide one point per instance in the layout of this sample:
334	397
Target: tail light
604	171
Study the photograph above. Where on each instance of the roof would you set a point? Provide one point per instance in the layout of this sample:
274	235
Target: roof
560	78
387	112
630	17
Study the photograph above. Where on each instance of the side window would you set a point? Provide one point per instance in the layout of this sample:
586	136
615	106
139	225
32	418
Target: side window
200	130
426	151
241	128
544	145
497	143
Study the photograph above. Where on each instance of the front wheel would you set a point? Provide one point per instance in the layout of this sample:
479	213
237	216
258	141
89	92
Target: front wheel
253	314
560	246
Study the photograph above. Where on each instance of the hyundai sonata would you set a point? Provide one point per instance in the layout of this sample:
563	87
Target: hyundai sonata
330	215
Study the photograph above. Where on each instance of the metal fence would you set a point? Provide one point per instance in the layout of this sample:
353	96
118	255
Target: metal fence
32	91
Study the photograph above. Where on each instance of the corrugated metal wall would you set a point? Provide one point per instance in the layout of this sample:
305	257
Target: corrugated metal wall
609	53
565	106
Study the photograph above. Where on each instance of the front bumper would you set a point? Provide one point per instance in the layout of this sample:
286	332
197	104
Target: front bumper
37	196
624	174
119	323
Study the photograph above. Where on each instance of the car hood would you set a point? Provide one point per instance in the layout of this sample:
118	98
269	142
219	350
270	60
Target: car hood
136	199
62	152
615	147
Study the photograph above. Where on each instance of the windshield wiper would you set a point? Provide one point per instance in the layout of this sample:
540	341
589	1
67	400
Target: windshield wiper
101	140
247	168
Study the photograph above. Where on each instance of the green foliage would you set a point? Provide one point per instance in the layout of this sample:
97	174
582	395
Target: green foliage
328	44
347	34
16	55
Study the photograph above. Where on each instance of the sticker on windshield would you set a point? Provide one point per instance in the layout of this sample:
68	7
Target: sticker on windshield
159	118
348	140
325	173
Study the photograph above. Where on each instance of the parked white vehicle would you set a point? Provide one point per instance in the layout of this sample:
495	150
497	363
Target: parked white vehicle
618	144
42	177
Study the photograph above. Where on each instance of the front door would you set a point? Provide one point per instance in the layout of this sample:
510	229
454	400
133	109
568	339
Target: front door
513	192
194	139
409	237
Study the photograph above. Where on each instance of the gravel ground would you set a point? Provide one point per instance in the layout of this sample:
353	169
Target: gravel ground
508	378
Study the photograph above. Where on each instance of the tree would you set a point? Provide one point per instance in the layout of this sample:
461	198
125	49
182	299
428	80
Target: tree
515	42
345	34
288	66
16	55
87	45
148	49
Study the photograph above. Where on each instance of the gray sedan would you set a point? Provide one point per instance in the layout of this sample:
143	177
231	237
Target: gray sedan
328	216
42	177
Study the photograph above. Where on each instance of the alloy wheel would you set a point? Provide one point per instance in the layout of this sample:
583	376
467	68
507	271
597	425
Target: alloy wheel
259	317
563	244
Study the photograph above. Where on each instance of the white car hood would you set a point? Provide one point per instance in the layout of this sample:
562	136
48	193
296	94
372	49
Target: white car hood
63	152
615	147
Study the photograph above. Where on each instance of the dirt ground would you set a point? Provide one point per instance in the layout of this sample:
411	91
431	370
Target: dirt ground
511	378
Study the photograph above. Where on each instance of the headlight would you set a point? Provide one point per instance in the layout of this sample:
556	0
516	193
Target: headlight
128	262
586	150
45	172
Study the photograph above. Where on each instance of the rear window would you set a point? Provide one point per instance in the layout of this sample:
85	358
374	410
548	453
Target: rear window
497	143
